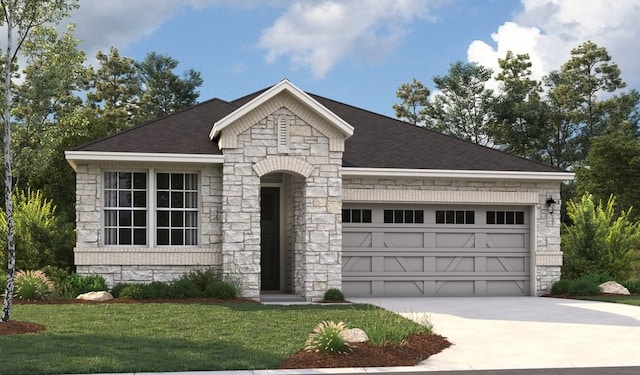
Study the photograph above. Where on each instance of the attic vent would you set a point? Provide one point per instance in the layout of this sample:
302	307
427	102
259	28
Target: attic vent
283	133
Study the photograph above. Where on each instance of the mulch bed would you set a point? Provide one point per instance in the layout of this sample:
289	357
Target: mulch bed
416	347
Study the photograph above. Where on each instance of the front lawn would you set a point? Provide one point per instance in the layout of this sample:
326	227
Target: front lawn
99	338
633	300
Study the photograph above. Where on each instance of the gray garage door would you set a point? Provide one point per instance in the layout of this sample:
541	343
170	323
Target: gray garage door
396	250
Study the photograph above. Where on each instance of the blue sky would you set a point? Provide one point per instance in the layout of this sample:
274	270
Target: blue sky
354	51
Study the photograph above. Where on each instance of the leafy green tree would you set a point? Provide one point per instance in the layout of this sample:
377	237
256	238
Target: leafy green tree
415	97
164	92
521	115
600	241
464	106
613	169
19	18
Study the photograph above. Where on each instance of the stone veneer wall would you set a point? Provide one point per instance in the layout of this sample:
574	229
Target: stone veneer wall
144	264
547	257
317	231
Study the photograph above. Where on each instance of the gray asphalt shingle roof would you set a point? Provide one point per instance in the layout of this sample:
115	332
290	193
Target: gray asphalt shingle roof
378	141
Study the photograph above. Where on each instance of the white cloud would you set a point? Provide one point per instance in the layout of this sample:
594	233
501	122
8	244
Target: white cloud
102	24
549	29
319	34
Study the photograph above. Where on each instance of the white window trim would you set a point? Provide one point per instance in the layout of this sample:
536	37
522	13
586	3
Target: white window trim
151	209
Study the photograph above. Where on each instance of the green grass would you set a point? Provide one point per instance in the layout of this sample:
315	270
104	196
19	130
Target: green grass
627	300
177	337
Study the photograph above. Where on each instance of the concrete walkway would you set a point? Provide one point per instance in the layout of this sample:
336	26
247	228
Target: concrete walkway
525	332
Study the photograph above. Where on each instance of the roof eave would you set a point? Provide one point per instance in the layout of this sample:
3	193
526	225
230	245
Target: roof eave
458	174
76	157
283	85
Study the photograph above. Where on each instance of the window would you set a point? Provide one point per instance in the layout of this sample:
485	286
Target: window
505	217
125	208
356	216
177	208
404	216
455	217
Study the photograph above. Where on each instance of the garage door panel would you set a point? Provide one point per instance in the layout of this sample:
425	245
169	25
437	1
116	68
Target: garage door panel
356	239
453	240
406	239
506	240
435	260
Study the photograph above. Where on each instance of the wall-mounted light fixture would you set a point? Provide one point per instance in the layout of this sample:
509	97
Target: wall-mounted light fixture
551	204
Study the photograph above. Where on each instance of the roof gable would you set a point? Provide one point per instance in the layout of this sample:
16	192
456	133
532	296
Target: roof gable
282	94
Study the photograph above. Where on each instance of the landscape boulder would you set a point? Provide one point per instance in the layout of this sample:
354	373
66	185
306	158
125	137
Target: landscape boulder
95	296
612	287
355	335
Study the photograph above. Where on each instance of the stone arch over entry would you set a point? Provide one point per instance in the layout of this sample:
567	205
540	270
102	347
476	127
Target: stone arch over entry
283	164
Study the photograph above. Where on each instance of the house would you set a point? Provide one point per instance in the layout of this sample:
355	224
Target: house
297	193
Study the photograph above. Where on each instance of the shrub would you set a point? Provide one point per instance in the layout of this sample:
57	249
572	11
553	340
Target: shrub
585	286
77	284
117	289
221	290
333	294
32	285
40	237
328	337
156	289
58	276
131	291
633	286
185	288
3	283
560	287
599	241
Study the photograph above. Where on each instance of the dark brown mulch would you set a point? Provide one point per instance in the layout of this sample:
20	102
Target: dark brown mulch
15	328
417	348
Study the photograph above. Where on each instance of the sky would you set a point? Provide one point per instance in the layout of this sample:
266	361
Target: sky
354	51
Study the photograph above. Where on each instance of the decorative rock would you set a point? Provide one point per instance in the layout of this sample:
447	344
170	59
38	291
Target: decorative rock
355	335
95	296
612	287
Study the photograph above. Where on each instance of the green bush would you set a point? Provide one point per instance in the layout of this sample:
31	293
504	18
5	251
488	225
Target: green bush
32	285
333	294
58	276
600	240
41	238
185	288
117	289
328	337
3	283
132	291
155	290
560	287
633	286
585	286
221	290
77	284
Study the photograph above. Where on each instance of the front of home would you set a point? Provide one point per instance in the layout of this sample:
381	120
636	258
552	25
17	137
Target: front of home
295	193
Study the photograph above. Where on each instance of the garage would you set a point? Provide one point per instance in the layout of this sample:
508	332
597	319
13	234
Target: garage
435	250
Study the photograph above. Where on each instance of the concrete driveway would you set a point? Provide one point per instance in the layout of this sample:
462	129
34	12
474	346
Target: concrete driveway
525	332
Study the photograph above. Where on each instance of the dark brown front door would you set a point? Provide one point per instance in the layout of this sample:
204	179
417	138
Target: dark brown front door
270	238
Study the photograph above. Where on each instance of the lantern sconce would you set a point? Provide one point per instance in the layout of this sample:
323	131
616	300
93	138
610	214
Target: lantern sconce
551	204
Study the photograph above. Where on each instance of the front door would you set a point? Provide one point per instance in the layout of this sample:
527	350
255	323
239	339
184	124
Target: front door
270	238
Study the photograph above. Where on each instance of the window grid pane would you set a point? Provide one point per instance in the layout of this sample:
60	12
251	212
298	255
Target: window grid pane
177	209
125	208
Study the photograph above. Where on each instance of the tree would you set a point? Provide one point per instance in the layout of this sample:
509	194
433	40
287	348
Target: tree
600	240
613	169
163	91
588	72
115	92
414	97
464	106
521	116
21	17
